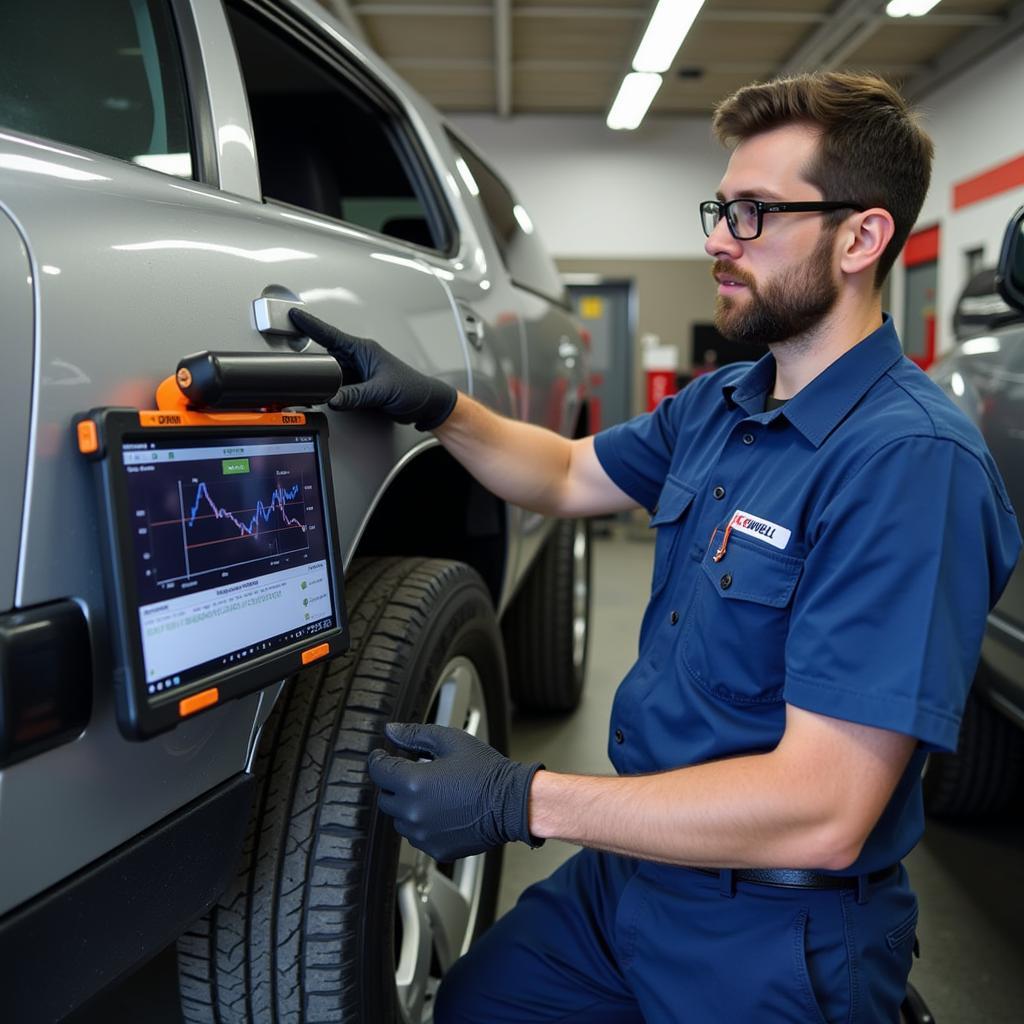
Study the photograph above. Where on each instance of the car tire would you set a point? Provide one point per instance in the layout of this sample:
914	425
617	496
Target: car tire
333	917
982	778
547	627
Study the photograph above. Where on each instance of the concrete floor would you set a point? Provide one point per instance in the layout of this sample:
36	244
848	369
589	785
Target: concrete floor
970	881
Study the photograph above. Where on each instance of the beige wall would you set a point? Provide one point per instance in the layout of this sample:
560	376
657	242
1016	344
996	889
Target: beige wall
671	295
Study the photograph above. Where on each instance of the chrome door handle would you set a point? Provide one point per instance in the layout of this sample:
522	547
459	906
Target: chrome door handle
271	316
567	350
473	325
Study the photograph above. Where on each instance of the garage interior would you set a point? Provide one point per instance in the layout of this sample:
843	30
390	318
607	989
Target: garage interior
531	84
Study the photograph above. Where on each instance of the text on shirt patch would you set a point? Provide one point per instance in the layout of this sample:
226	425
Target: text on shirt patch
744	522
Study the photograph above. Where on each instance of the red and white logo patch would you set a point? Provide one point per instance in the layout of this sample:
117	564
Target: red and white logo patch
762	529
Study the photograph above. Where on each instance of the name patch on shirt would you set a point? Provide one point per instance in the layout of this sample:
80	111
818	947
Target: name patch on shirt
744	522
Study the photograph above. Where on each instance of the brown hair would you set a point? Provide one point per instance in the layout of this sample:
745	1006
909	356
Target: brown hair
872	150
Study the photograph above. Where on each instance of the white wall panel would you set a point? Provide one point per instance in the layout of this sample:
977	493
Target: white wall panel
595	193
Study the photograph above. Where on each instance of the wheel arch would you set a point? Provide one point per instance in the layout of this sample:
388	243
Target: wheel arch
432	507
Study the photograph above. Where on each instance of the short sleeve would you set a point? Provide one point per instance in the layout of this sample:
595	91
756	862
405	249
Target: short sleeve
904	564
637	454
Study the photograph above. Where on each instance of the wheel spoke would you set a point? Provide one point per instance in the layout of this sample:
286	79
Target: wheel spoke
406	861
458	703
449	912
413	971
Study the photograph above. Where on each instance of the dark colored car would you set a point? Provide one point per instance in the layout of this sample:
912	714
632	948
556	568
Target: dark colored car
984	375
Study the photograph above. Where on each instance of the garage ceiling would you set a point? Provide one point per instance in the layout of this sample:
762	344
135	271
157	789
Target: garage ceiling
527	56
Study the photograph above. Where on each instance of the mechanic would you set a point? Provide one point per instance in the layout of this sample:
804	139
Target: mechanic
831	533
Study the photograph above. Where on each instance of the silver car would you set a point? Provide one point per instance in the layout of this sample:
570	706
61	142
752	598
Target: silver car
174	176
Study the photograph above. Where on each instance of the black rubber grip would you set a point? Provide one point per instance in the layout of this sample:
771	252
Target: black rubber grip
257	380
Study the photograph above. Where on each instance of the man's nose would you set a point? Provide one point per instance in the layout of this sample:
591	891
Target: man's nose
720	243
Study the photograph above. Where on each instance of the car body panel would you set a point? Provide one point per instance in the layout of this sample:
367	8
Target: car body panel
16	295
984	376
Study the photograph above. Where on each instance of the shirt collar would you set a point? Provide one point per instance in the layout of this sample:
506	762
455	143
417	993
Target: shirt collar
818	408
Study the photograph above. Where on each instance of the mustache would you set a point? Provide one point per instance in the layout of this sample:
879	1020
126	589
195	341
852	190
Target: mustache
731	270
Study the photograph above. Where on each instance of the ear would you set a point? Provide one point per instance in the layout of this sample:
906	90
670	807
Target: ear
863	239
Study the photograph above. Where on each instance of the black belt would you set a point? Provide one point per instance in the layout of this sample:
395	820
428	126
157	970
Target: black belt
787	878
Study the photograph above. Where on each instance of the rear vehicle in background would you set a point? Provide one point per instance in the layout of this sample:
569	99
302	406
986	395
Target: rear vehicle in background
174	176
984	375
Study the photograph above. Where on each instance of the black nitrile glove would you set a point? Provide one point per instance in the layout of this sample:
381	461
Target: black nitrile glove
466	800
375	379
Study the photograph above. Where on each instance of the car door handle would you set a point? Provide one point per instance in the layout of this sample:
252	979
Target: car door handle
271	316
473	325
566	349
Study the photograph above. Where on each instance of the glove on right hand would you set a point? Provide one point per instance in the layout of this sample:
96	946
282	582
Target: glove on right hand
379	380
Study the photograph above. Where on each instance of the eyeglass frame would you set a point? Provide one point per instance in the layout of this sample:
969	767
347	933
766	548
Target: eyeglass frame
763	207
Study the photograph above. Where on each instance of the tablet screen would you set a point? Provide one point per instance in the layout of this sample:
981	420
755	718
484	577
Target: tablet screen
230	556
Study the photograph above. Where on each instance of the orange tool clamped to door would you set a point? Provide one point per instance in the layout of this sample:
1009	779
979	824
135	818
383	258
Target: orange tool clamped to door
224	570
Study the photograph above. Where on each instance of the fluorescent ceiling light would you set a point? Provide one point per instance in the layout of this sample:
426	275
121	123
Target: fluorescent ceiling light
913	8
670	22
635	95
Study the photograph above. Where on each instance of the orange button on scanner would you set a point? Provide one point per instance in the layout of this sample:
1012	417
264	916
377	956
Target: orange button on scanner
315	653
198	701
88	438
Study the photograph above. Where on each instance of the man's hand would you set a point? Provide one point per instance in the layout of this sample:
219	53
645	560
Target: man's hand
466	800
375	379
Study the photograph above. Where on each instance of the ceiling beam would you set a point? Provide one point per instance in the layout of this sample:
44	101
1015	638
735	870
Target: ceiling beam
962	54
761	16
848	18
544	66
503	57
441	10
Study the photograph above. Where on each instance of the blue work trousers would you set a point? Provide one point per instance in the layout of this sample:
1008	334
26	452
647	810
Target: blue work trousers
612	940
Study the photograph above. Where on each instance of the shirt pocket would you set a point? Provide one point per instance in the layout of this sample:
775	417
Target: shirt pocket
735	635
668	516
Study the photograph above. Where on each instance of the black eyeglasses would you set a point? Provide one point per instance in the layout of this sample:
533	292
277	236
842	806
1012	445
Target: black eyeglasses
745	217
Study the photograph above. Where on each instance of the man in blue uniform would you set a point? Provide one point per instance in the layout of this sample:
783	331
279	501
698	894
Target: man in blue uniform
831	533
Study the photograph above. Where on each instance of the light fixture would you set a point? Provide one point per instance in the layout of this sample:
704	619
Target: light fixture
665	33
669	24
913	8
635	95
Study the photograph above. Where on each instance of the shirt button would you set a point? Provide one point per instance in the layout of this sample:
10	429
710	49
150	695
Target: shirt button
619	738
748	438
674	618
726	581
719	493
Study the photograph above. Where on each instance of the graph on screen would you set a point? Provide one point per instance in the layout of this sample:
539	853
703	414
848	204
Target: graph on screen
200	521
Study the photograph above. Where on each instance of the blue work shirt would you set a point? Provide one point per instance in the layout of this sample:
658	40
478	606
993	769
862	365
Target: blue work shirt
870	535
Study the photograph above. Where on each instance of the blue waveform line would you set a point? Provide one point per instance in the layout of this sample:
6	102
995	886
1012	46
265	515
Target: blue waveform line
264	512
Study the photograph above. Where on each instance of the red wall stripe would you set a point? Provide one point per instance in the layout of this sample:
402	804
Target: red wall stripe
989	183
922	247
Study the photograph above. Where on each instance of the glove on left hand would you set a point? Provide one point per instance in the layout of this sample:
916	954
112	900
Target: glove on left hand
466	800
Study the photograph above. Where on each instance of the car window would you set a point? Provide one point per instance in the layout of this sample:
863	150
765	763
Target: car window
521	250
327	144
104	75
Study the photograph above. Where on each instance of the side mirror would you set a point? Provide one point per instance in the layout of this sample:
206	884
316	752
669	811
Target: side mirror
1010	273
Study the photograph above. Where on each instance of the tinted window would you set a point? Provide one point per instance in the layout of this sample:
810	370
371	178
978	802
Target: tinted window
325	144
525	257
104	75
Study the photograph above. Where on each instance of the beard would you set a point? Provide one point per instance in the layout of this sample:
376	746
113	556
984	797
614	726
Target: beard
788	306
